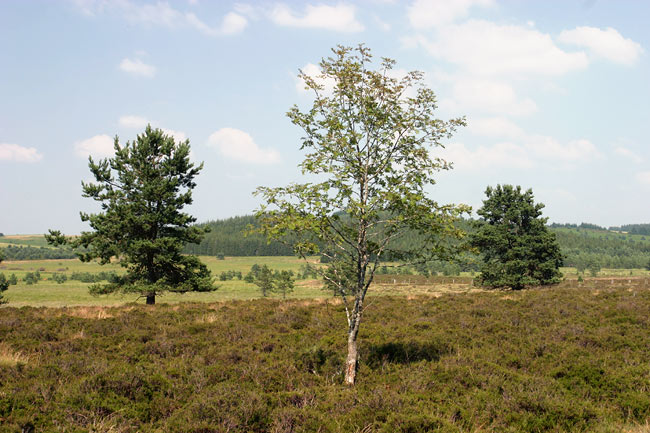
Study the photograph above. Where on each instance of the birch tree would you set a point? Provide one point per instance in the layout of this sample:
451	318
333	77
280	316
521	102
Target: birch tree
369	142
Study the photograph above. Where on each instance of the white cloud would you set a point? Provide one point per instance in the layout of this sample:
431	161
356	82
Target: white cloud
497	127
487	96
179	136
231	24
239	145
17	153
424	14
383	25
519	150
139	122
485	48
643	177
162	14
487	157
627	153
135	122
554	151
137	67
99	146
314	72
608	43
340	18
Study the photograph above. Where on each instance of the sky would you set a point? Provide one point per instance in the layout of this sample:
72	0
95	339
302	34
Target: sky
556	94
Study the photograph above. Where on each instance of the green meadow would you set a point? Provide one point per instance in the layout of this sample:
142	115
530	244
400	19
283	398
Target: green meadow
49	293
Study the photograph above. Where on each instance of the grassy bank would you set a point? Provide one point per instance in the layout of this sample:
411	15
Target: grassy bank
561	359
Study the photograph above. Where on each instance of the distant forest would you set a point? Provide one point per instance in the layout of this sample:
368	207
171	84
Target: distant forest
584	245
12	252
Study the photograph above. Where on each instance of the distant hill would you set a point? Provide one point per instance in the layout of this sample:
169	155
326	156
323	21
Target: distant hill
227	237
606	247
581	244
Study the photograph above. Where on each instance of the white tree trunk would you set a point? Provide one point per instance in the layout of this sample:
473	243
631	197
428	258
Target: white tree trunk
352	359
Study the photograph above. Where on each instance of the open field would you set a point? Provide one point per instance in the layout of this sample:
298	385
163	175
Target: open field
48	293
75	293
23	240
561	359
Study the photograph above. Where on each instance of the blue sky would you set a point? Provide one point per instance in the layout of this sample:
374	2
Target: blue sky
556	94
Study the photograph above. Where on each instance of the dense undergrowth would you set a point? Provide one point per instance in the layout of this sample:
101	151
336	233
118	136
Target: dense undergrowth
559	359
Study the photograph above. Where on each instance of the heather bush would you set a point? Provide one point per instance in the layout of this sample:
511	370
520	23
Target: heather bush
543	360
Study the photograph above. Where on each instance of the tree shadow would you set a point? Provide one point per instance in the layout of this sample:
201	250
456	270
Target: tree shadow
404	353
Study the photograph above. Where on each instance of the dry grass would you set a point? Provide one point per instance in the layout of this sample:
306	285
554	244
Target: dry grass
87	312
10	357
208	318
640	428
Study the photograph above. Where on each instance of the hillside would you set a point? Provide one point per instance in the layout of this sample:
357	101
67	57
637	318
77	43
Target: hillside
583	245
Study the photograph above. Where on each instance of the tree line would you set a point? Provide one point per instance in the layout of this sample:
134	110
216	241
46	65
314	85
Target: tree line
580	248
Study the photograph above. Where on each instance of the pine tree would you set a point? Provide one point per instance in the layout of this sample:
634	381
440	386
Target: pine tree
143	190
518	249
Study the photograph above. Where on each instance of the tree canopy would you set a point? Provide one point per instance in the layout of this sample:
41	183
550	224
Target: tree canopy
142	191
518	249
368	143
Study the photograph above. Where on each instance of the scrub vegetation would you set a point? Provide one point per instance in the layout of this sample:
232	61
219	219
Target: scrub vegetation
564	359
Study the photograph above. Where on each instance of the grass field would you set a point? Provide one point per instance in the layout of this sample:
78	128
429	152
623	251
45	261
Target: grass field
561	359
48	293
23	240
74	293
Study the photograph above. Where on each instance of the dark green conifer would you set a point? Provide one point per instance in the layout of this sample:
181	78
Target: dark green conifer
518	249
142	191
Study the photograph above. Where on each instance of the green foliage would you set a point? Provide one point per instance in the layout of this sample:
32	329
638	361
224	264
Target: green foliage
283	282
634	229
369	142
4	285
610	249
32	277
87	277
230	275
580	244
270	281
263	278
15	252
545	361
594	268
143	190
232	237
307	271
59	278
13	280
517	248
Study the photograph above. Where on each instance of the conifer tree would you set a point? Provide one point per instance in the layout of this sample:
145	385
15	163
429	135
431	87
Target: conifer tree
518	249
142	191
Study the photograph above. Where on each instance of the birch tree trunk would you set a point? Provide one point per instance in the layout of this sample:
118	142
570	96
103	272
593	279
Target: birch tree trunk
352	360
